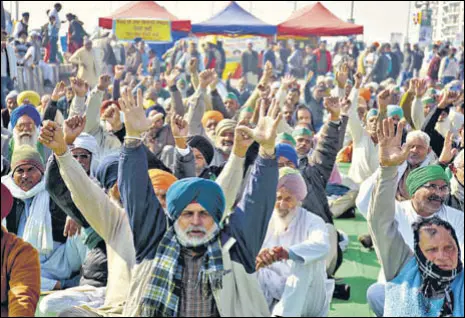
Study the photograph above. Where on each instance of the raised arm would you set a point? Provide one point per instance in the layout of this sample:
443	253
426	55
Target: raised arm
389	244
146	216
429	127
249	222
323	159
196	108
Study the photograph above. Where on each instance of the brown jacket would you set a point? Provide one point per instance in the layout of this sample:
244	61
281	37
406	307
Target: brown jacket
20	277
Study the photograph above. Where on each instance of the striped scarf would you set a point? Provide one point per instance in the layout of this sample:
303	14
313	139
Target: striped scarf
162	294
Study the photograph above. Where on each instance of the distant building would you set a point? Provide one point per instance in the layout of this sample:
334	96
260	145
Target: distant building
448	21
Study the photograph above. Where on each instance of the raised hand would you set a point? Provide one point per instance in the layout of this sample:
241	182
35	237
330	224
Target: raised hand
59	91
119	71
346	105
172	78
136	121
179	126
391	152
79	86
71	228
267	73
206	78
448	99
266	131
448	152
104	82
384	99
72	128
242	141
112	116
192	67
421	87
343	75
333	106
51	136
215	81
413	85
358	80
288	81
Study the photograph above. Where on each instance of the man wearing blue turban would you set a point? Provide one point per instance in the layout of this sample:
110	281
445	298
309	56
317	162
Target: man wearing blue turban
189	263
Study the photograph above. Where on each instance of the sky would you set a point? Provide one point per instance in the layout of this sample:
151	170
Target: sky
380	18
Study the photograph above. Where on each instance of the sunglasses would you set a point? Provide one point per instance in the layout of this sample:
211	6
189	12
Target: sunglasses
82	157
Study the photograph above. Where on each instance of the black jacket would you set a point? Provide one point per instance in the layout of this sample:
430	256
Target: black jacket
95	267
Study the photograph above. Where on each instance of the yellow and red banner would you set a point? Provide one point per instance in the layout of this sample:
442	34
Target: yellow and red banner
146	29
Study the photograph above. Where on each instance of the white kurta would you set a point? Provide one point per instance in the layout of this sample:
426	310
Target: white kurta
299	285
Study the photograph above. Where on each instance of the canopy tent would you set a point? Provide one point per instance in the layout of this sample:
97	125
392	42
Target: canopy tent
317	20
234	20
146	10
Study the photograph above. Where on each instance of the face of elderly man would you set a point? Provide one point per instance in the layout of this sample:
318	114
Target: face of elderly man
26	177
200	162
225	141
285	202
429	199
439	247
419	150
11	104
25	132
195	225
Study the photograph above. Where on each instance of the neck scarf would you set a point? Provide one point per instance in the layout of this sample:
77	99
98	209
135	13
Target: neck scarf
163	293
436	283
38	229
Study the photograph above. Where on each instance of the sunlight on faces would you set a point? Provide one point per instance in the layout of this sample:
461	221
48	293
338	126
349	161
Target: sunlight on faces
211	127
427	109
157	125
231	105
372	124
84	158
285	202
304	145
304	117
443	117
396	119
418	151
195	226
293	97
429	201
11	104
288	112
439	247
225	141
25	132
200	162
26	177
284	162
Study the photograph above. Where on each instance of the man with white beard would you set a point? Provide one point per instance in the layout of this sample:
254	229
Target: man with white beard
224	141
25	121
301	240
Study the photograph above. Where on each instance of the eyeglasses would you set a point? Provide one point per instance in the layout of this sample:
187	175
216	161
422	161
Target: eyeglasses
433	187
82	157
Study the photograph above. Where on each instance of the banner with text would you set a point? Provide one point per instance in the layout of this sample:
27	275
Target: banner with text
151	31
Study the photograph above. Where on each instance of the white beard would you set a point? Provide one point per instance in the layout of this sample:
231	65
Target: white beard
190	242
26	139
281	224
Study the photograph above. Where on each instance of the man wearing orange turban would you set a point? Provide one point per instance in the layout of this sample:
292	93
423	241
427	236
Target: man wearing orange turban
161	182
209	122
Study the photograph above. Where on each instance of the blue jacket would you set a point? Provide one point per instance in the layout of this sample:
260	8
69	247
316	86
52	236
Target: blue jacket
247	225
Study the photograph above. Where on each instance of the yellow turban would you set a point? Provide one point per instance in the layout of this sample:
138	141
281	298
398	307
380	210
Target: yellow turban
30	97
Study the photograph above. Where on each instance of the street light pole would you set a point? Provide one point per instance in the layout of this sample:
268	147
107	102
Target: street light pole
408	22
352	5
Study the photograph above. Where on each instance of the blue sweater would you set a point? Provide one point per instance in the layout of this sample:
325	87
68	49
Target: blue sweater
247	225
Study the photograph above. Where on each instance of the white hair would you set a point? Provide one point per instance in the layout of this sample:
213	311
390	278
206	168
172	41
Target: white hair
458	162
418	134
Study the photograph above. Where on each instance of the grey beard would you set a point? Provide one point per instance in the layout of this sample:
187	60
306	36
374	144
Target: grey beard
188	242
